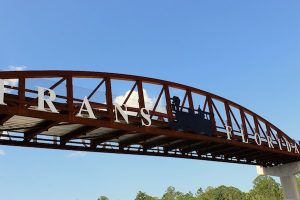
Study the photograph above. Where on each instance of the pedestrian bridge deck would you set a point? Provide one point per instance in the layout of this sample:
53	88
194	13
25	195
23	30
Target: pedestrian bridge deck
24	124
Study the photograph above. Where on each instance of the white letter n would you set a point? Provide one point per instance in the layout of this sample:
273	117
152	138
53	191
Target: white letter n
122	112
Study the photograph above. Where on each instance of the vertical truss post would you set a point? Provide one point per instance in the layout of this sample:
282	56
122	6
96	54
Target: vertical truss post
211	110
244	127
227	109
141	94
256	125
21	93
108	94
190	99
70	102
168	102
280	137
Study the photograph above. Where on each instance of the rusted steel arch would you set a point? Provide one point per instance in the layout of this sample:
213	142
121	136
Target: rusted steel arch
259	141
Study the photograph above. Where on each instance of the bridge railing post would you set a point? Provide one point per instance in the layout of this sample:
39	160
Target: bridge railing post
109	101
168	102
70	97
212	117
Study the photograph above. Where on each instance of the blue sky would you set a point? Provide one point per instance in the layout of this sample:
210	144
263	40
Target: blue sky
246	51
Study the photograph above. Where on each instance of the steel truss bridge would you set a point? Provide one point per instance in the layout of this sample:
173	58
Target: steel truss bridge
22	124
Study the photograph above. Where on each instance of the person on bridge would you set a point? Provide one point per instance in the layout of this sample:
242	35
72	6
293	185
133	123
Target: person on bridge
200	113
175	103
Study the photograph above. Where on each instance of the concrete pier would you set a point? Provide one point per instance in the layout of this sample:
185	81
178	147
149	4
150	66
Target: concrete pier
286	173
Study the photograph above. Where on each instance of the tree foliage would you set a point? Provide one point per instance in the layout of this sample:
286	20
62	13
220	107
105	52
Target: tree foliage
172	194
144	196
264	188
103	198
222	193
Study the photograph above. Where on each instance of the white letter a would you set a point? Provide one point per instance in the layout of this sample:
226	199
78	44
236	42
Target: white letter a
88	109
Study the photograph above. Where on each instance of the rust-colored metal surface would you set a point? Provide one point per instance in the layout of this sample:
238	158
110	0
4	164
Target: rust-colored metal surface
22	124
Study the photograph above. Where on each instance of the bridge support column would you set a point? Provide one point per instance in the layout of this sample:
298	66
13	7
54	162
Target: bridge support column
286	173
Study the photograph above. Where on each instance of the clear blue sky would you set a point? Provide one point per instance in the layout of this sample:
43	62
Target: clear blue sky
246	51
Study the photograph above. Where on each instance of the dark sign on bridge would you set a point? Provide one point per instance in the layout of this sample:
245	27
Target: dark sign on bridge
196	121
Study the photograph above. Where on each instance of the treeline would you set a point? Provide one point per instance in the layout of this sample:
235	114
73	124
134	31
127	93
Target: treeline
264	188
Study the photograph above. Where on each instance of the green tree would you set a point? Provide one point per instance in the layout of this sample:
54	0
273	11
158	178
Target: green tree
172	194
187	196
265	187
103	198
222	193
143	196
199	192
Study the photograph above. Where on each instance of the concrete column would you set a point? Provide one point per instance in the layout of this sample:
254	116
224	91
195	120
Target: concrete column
290	187
286	173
